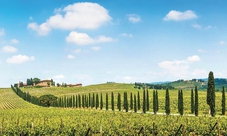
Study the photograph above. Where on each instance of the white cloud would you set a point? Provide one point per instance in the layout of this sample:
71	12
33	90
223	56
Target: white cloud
59	77
197	26
178	68
133	18
9	49
18	59
126	35
193	58
177	15
198	73
14	41
70	56
2	32
77	50
84	39
96	48
83	15
222	42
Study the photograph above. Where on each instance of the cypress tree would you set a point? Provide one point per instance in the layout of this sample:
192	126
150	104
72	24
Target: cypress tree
83	101
154	102
89	100
101	102
76	101
97	101
223	101
138	99
112	101
131	101
125	101
147	100
144	101
135	107
157	104
167	102
73	101
79	101
119	101
107	101
179	101
211	93
192	102
181	106
196	102
93	100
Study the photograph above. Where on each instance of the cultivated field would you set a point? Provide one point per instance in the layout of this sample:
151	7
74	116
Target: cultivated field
20	117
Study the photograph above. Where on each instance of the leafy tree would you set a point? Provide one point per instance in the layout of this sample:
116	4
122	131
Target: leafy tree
223	101
58	85
47	99
119	101
167	102
211	93
36	80
138	99
112	101
196	102
192	102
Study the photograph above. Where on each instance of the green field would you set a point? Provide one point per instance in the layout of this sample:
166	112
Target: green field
20	117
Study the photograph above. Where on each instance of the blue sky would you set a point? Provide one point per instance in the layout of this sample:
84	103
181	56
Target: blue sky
99	41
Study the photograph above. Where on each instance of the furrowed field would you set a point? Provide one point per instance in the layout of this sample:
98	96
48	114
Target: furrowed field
20	117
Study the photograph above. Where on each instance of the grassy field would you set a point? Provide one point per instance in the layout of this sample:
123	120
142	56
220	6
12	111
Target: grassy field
20	117
129	88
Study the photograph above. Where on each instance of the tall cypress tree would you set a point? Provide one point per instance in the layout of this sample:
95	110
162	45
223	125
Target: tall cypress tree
112	101
211	93
138	99
131	101
144	101
89	100
196	102
93	100
135	107
119	101
147	100
154	102
179	101
125	101
79	101
157	104
181	107
167	102
192	102
107	104
97	101
101	102
223	101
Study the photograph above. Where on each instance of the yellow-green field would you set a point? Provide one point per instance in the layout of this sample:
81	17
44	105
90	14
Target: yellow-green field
20	117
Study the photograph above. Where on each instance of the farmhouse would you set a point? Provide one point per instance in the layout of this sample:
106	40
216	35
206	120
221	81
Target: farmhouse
75	85
44	83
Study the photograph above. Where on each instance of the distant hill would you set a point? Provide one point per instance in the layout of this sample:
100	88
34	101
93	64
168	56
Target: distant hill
200	83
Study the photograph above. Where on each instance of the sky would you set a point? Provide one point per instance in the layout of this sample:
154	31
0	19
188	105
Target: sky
99	41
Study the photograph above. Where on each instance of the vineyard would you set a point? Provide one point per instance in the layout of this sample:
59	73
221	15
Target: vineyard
18	117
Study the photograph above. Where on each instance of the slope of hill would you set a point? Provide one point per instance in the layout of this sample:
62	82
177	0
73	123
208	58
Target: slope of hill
9	100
